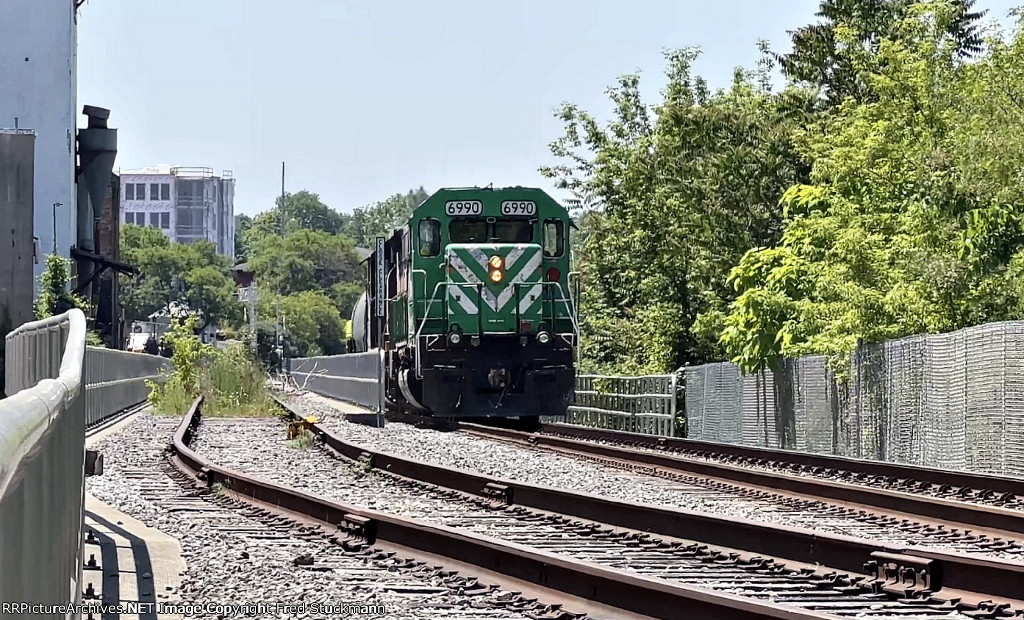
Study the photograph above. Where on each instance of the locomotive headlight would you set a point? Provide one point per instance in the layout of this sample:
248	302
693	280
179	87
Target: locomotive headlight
455	337
496	276
543	337
496	262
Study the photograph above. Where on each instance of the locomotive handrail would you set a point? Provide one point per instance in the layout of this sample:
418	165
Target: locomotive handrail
569	310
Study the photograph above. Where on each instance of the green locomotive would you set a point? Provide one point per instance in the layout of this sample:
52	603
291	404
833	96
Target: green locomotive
478	314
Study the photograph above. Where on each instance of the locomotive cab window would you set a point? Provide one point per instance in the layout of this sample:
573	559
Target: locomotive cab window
430	237
554	238
512	231
468	231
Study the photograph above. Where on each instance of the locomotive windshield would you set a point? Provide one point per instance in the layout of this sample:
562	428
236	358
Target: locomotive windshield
499	231
468	231
512	231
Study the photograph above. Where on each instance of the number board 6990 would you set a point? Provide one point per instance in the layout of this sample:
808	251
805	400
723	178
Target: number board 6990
463	207
518	207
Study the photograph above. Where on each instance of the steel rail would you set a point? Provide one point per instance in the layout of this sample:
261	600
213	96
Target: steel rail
965	573
925	506
941	477
634	593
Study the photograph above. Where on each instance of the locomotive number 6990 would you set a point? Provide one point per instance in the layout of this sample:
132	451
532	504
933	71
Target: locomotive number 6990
518	207
463	207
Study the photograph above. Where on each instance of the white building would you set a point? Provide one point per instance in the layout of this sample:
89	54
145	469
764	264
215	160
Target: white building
186	204
38	92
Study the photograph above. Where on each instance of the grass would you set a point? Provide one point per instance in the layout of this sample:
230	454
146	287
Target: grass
232	384
304	441
174	401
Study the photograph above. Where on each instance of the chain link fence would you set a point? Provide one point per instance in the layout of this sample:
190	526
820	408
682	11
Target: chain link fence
954	401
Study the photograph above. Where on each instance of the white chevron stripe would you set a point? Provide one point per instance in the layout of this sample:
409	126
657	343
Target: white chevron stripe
513	256
480	257
508	292
527	300
463	269
460	297
489	298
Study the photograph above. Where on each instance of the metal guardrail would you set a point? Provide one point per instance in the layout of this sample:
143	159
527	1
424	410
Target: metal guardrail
58	386
116	380
352	377
42	456
644	404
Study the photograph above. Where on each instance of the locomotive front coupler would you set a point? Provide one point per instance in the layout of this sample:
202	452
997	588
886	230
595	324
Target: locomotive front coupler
497	378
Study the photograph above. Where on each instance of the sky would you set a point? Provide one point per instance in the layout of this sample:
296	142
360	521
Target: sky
365	99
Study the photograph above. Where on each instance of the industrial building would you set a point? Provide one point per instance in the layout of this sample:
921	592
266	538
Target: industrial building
39	71
18	252
55	178
187	204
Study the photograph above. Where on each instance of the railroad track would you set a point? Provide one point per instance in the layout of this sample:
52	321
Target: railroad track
241	554
983	500
853	502
936	521
658	488
631	592
900	585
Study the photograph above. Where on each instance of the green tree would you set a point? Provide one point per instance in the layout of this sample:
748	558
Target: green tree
303	260
192	274
54	297
308	270
824	53
911	221
305	210
312	320
670	197
243	223
381	218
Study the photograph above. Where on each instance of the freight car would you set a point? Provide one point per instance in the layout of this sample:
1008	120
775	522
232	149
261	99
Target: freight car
474	306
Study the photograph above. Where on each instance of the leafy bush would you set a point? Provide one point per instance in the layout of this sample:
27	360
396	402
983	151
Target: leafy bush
234	385
231	382
54	297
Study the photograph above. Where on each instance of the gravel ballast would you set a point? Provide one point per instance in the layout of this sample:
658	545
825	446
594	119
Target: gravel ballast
236	560
541	466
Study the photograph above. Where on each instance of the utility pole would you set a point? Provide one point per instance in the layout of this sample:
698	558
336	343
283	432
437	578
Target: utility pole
282	199
278	331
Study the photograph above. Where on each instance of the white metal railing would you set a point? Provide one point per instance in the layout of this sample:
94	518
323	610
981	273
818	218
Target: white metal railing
352	377
116	380
42	454
642	404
